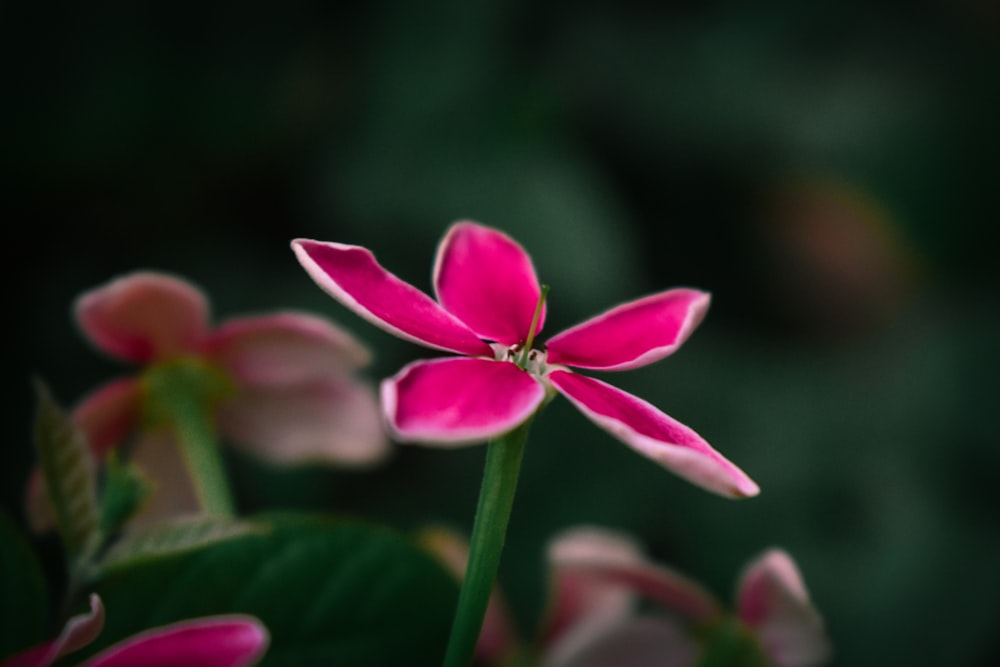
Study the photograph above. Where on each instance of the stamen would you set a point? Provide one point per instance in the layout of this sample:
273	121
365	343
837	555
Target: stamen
534	326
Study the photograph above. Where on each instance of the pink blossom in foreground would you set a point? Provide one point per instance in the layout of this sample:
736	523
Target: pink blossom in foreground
213	641
487	293
290	392
598	576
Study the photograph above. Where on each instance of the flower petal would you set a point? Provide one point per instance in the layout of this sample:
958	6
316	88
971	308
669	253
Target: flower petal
579	595
774	603
212	641
79	631
335	420
641	641
633	334
284	349
351	275
158	456
144	316
35	656
653	434
600	560
487	280
458	400
109	414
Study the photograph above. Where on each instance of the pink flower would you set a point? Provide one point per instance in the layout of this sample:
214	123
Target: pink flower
213	641
288	393
597	576
487	293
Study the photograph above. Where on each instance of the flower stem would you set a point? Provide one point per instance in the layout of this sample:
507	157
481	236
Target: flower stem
180	395
496	497
196	435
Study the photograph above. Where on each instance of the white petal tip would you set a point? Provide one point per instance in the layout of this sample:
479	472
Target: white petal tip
747	489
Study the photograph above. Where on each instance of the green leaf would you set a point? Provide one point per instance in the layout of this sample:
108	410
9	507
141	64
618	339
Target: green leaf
23	599
69	472
125	488
330	591
175	537
729	643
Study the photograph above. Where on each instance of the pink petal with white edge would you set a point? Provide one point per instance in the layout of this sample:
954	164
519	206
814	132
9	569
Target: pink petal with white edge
633	334
284	349
351	275
336	420
458	401
144	317
774	603
212	641
653	434
640	641
603	560
579	597
79	631
487	280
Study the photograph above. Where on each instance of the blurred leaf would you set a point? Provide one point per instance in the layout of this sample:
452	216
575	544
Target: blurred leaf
174	538
330	592
68	468
23	604
730	644
125	489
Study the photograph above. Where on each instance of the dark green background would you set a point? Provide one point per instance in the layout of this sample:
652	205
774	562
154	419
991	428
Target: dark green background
848	362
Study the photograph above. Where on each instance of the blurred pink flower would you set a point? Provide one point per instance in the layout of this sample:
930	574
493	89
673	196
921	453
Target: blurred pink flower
289	396
839	264
487	294
212	641
598	575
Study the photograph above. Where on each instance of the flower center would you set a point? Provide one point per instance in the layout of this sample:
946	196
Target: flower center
523	354
532	360
182	378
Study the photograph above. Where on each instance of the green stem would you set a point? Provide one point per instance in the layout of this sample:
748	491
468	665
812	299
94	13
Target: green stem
196	435
496	497
180	394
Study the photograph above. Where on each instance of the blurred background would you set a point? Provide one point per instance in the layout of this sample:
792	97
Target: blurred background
828	170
